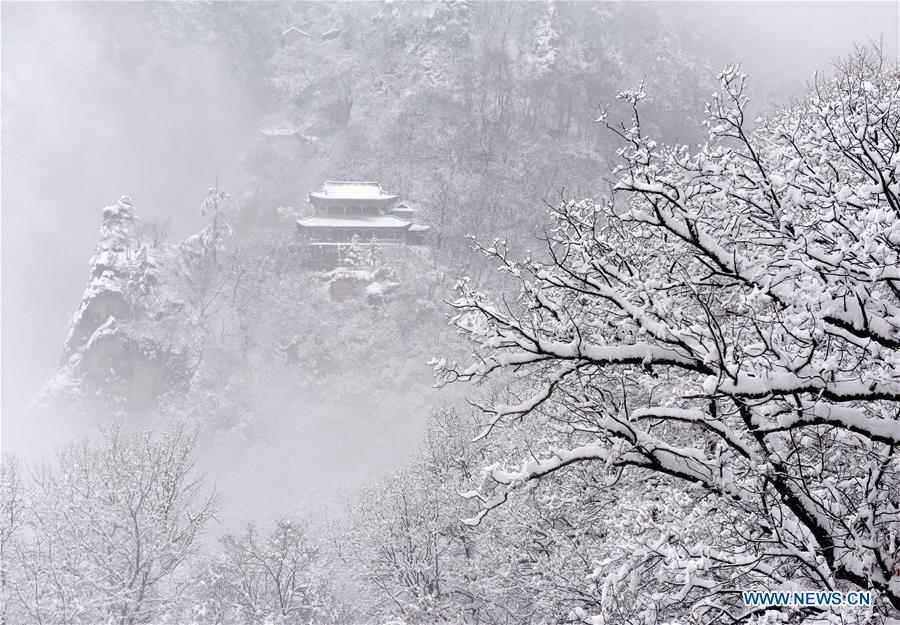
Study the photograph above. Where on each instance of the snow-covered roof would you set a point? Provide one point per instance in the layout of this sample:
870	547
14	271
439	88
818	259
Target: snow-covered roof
348	190
331	34
375	221
278	125
280	131
419	228
293	31
341	244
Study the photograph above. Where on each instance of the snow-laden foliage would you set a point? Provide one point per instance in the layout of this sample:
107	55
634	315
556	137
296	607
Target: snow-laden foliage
277	579
112	534
11	525
101	536
545	49
364	273
409	557
730	318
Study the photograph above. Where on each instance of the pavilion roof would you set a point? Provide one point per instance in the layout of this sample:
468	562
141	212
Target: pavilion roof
373	221
350	190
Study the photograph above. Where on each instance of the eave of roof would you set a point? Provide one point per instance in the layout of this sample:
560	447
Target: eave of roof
293	30
376	221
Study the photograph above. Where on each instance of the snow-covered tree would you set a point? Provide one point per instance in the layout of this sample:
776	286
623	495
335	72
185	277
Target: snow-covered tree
277	579
406	549
400	551
545	50
363	254
730	318
215	206
107	529
11	522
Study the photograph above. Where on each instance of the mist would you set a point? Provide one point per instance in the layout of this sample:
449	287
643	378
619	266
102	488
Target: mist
460	111
102	100
783	45
98	104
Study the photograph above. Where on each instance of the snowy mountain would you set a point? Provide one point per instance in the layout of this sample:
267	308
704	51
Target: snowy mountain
163	327
131	339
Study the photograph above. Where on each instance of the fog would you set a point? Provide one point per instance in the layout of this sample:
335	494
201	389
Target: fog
94	107
237	265
99	102
782	45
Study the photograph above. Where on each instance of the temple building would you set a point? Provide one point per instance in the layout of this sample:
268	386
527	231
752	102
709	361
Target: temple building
363	209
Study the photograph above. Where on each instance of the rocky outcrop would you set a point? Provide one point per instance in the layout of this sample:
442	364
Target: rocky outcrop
105	300
126	345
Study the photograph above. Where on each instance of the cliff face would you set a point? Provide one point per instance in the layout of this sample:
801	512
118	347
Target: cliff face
128	343
105	302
